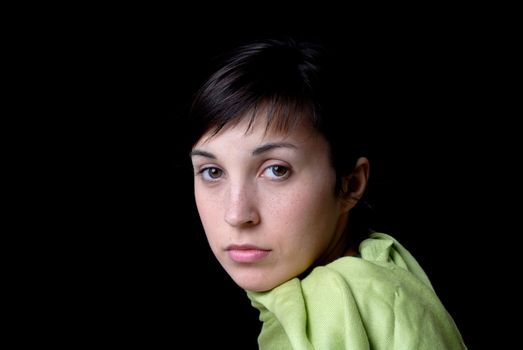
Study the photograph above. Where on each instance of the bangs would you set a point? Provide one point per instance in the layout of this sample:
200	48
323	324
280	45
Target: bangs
281	114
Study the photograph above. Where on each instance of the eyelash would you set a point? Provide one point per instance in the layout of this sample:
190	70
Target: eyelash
205	173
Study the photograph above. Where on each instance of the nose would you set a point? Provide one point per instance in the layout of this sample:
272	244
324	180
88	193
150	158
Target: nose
241	209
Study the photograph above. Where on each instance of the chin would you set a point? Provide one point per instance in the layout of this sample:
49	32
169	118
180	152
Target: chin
254	282
255	287
256	279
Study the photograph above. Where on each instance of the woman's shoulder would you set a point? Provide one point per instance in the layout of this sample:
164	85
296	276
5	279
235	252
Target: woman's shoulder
392	294
383	260
383	270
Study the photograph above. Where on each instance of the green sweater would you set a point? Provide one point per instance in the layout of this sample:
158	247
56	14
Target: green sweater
381	300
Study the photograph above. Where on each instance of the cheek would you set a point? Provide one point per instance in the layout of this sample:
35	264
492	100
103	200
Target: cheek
208	209
319	212
306	209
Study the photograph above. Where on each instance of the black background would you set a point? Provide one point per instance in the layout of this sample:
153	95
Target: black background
132	256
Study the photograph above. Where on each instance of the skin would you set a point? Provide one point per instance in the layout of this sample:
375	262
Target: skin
267	203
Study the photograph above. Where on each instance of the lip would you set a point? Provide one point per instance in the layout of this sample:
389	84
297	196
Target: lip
246	253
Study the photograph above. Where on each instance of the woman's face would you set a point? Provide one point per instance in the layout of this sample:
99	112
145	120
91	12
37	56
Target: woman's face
267	201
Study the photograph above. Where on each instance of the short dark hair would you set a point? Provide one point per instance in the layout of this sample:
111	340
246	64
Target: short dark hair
293	82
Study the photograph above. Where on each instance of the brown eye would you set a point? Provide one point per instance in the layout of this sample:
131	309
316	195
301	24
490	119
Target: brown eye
276	172
212	173
279	170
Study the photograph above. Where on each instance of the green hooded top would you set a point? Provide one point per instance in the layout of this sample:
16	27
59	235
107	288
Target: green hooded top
380	300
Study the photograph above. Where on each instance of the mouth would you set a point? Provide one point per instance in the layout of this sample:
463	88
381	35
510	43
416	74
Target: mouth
246	253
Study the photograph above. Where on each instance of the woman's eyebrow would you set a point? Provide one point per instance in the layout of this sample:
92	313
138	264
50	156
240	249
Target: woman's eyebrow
269	146
197	152
257	151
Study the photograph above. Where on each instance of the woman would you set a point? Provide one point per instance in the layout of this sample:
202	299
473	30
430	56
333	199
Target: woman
280	173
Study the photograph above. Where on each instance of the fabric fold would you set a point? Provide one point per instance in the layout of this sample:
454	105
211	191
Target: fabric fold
383	300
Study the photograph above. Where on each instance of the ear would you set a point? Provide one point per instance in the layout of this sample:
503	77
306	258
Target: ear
353	186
